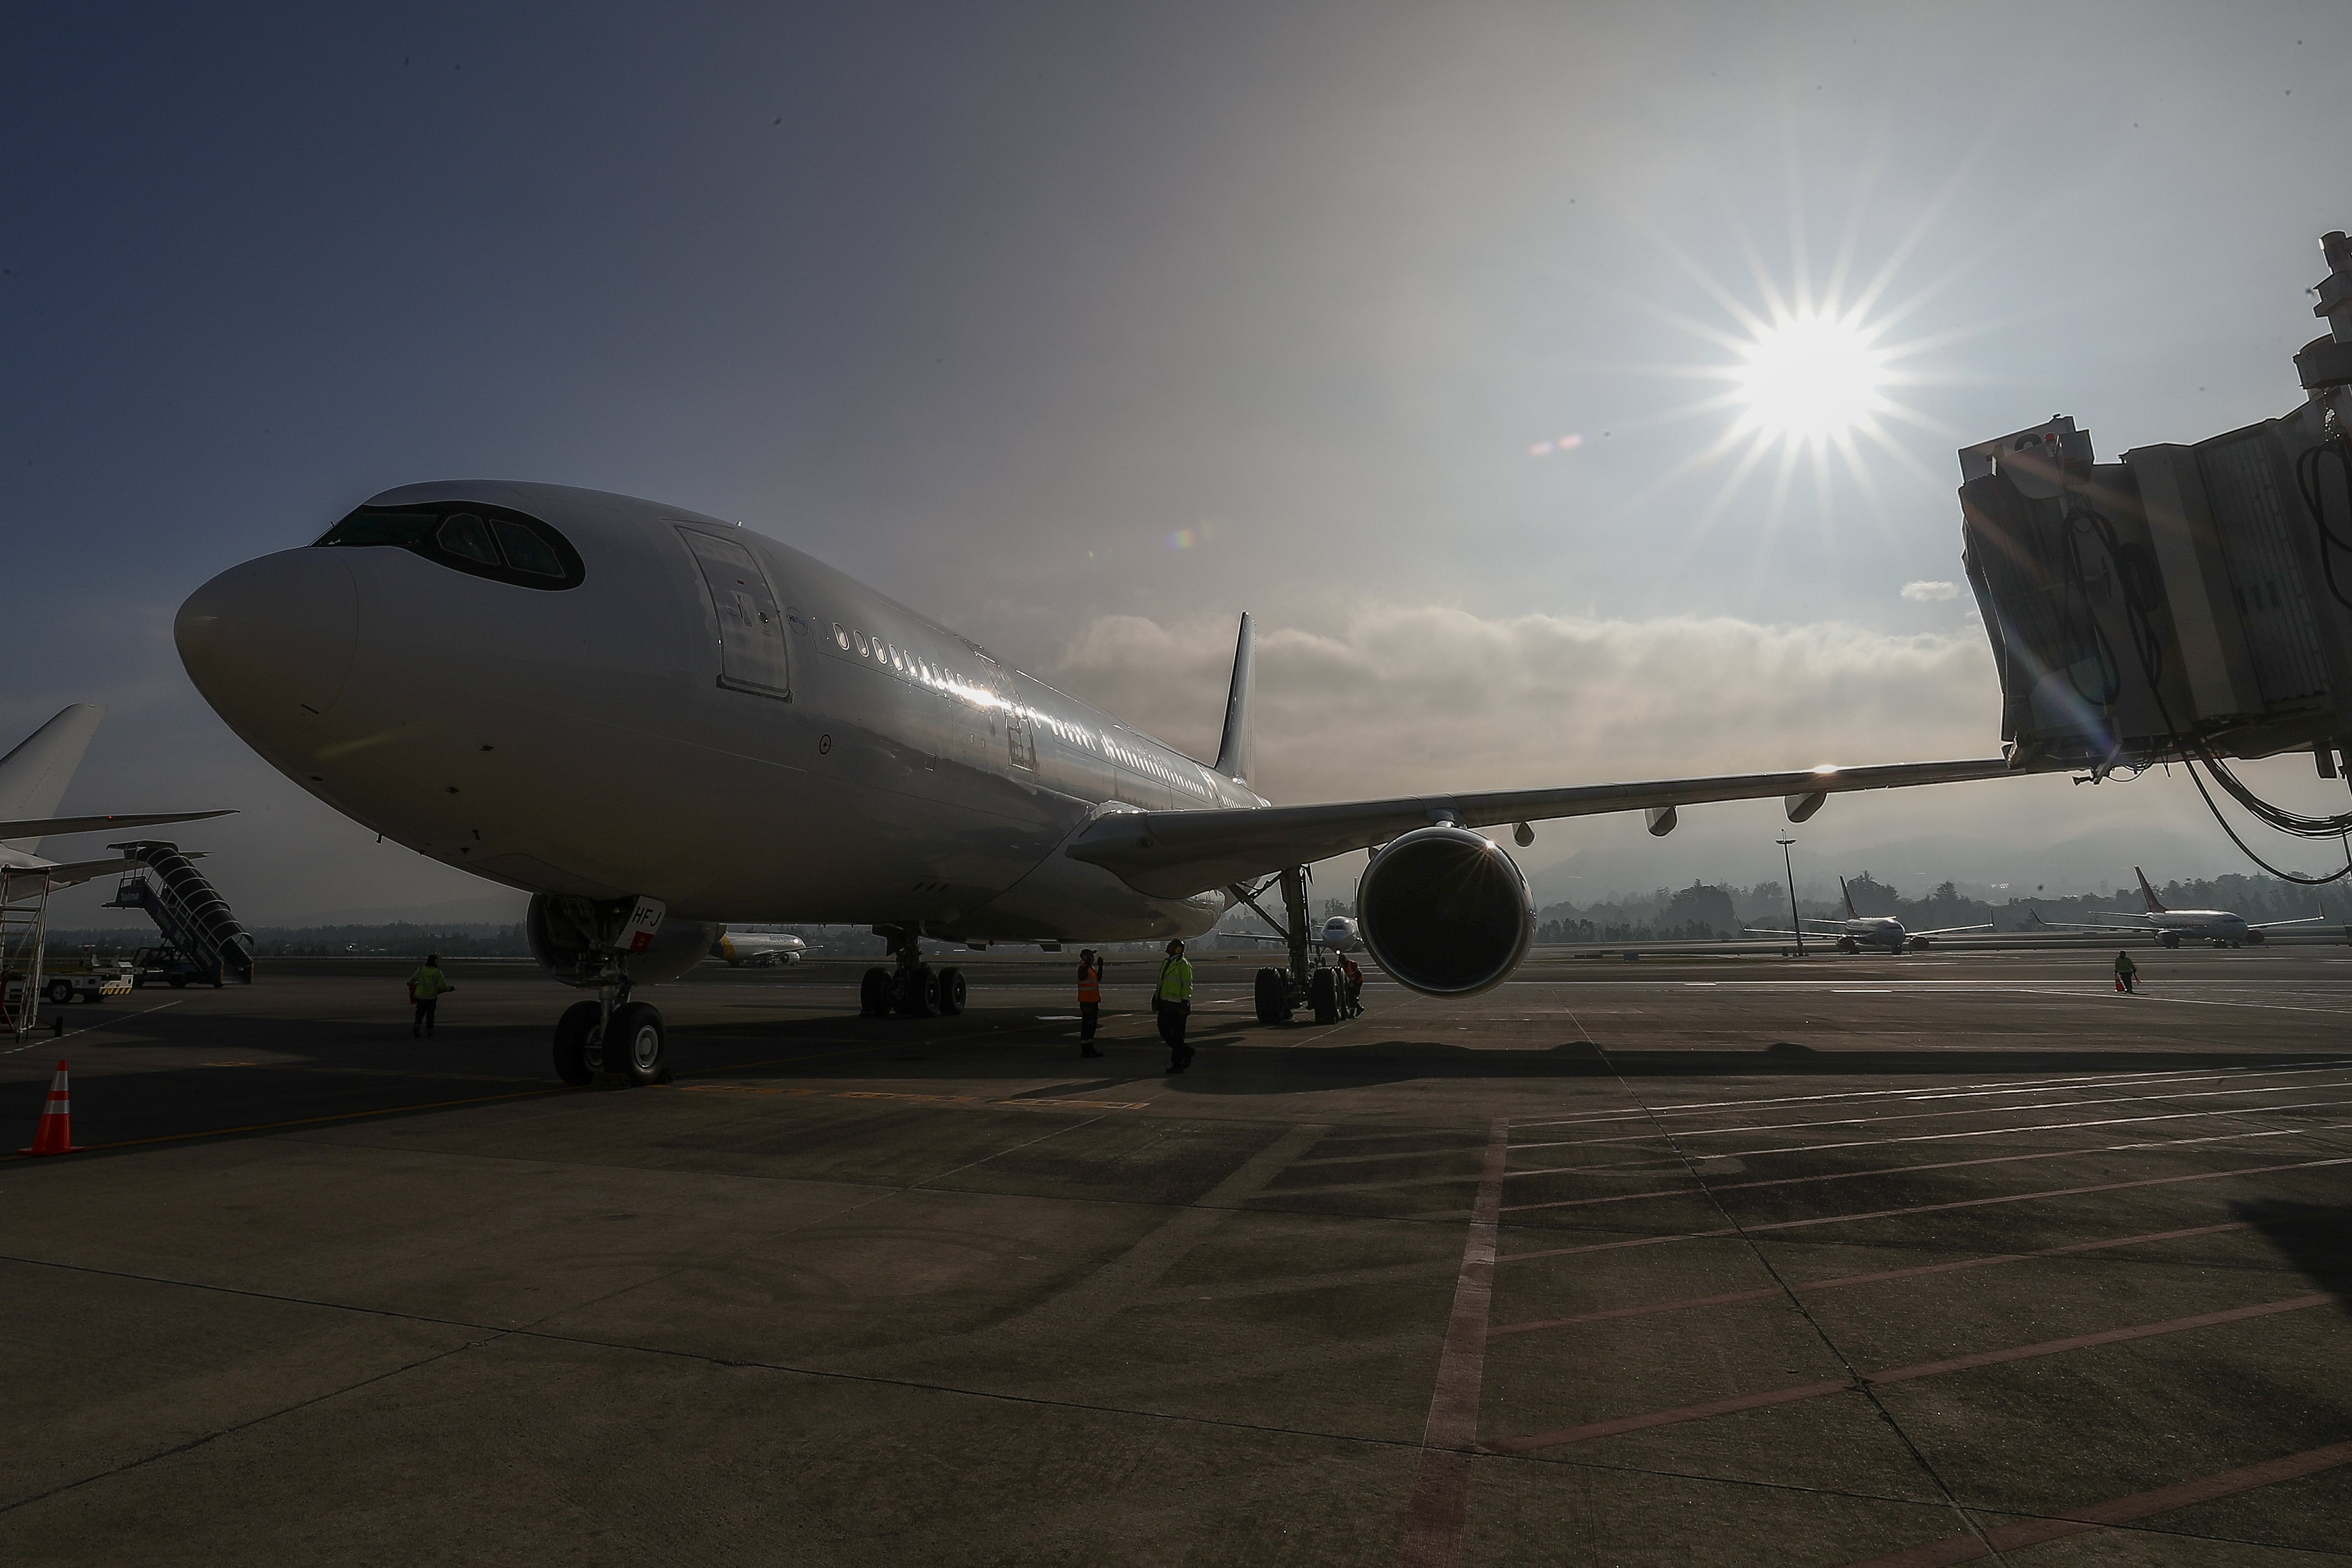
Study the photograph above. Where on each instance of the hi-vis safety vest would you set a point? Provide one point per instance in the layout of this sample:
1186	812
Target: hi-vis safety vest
1089	982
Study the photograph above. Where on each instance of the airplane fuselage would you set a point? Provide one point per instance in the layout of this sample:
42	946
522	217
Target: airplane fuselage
706	717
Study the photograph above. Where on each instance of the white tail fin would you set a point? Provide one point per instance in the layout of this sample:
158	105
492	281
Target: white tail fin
34	777
1849	912
2147	892
1234	751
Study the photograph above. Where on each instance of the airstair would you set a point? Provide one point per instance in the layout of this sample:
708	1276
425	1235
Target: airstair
203	941
24	945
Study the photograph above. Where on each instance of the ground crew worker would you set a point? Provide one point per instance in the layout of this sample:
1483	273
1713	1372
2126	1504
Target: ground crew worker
1355	983
2126	974
1172	1000
1090	1000
425	987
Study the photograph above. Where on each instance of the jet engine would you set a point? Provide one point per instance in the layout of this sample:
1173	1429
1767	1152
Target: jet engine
1445	911
571	936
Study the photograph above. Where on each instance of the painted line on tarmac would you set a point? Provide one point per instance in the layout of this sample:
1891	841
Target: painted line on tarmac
2149	1145
1937	1115
1924	1137
2115	1511
1439	1511
1923	1208
1944	1091
1848	1282
86	1028
1567	1435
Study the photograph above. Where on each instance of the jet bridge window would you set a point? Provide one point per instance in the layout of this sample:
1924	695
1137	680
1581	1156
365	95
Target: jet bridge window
479	541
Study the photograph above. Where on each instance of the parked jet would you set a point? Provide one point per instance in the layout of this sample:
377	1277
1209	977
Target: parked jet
2220	927
653	720
761	948
1858	930
33	780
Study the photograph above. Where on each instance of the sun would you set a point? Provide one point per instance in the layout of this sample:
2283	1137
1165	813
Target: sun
1809	377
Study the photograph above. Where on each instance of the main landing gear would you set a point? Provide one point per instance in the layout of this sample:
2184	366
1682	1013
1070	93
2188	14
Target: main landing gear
1311	981
912	990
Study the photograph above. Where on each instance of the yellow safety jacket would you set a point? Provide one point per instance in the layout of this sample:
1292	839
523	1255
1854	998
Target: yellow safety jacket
428	983
1176	980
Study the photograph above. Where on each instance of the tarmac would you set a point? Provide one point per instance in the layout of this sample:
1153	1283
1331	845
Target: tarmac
1849	1260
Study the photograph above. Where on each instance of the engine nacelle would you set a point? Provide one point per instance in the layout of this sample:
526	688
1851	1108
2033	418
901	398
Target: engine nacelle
570	935
1445	911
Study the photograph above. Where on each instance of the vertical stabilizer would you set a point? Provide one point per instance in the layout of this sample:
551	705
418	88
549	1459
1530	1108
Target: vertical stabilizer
1850	913
2147	892
34	777
1236	751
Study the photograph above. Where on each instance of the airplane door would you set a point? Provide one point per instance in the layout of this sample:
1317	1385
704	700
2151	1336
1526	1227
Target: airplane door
752	653
1018	741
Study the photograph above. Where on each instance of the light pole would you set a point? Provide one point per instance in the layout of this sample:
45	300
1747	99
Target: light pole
1796	921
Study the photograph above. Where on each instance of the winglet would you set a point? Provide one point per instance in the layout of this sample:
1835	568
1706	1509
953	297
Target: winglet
1850	911
1234	751
2147	892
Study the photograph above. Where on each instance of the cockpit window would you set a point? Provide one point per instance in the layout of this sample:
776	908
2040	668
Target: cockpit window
483	542
468	535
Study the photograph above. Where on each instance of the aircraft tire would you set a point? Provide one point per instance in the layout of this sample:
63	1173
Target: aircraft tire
873	994
572	1033
2170	942
1269	996
1325	992
636	1046
952	993
1847	944
916	993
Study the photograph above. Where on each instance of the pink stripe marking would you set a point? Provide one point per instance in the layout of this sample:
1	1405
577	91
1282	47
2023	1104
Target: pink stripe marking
1438	1515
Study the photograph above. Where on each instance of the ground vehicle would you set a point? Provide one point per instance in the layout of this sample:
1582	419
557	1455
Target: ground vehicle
166	965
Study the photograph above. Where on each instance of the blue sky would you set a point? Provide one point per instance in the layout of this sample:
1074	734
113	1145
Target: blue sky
1051	320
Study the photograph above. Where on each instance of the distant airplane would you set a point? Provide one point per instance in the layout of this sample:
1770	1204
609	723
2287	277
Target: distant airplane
33	778
2218	927
765	949
1859	930
655	722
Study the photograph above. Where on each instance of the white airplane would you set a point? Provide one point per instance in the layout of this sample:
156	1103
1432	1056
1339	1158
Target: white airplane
655	722
761	948
2218	927
33	778
1857	931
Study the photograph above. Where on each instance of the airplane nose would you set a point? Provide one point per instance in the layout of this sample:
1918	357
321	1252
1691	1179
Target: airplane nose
273	638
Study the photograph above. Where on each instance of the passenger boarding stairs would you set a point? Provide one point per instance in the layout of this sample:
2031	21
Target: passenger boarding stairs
194	918
23	947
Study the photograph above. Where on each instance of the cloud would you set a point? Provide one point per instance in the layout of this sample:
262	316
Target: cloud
1401	699
1926	592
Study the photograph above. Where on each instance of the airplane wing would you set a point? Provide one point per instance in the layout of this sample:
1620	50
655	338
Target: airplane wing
2083	925
1952	931
2274	925
1174	854
47	826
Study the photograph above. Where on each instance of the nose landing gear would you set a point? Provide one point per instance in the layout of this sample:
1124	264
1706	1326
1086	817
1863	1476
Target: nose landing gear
912	990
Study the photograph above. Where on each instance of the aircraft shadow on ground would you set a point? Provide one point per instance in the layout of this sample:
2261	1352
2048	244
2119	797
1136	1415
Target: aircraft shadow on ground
2315	1237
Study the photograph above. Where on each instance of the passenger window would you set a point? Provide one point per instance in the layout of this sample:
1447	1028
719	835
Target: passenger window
863	651
841	637
468	535
526	551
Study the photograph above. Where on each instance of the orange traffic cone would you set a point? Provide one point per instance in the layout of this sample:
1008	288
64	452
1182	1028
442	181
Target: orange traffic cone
55	1135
